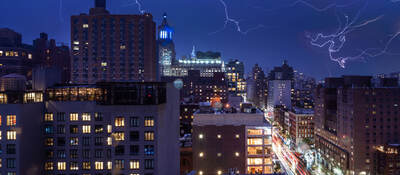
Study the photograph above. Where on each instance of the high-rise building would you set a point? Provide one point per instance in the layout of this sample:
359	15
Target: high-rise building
236	142
234	72
108	47
280	84
303	91
15	57
107	128
166	48
256	87
205	89
48	54
352	118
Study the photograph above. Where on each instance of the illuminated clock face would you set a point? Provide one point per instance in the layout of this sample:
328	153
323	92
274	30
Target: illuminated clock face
178	83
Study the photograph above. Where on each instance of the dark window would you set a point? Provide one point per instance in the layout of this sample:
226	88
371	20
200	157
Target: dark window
86	141
98	141
134	121
134	136
86	153
61	116
73	153
61	154
149	164
120	150
98	153
10	148
61	141
11	163
134	150
98	116
60	129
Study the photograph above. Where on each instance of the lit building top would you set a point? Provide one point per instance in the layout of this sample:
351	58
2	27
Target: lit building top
165	31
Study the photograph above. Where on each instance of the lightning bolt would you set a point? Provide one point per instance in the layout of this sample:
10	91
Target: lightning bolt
336	41
319	9
235	22
137	3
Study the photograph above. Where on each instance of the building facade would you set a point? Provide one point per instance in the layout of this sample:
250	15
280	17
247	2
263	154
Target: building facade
15	57
48	54
301	125
235	77
257	87
107	128
280	85
108	47
231	143
166	48
352	117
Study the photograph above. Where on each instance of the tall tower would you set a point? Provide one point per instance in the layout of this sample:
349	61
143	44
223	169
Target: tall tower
166	48
112	47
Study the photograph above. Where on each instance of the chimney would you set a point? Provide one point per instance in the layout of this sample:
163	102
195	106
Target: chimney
100	3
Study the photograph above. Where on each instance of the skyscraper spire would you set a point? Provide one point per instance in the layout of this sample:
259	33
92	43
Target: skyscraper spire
193	52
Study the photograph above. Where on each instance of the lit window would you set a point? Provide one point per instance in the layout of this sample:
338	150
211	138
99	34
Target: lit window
48	166
219	136
148	121
200	172
201	154
0	135
49	141
85	26
109	128
11	120
98	165
30	56
122	47
86	165
237	136
76	42
201	136
74	141
119	164
119	136
109	141
120	121
85	117
11	135
219	154
61	166
109	165
73	116
237	154
103	64
86	129
1	53
134	164
48	117
74	166
149	135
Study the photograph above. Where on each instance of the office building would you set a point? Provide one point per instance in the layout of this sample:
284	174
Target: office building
301	125
352	117
256	87
107	47
15	57
166	48
231	142
303	91
280	85
48	54
234	72
387	159
205	89
107	128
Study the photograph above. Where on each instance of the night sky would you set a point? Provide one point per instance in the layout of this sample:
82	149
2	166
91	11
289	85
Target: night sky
286	26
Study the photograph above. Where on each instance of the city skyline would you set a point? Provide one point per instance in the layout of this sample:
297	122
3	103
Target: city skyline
281	36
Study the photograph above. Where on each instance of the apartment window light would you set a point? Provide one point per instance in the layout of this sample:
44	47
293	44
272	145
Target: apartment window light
73	117
86	117
11	120
119	121
201	136
201	154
